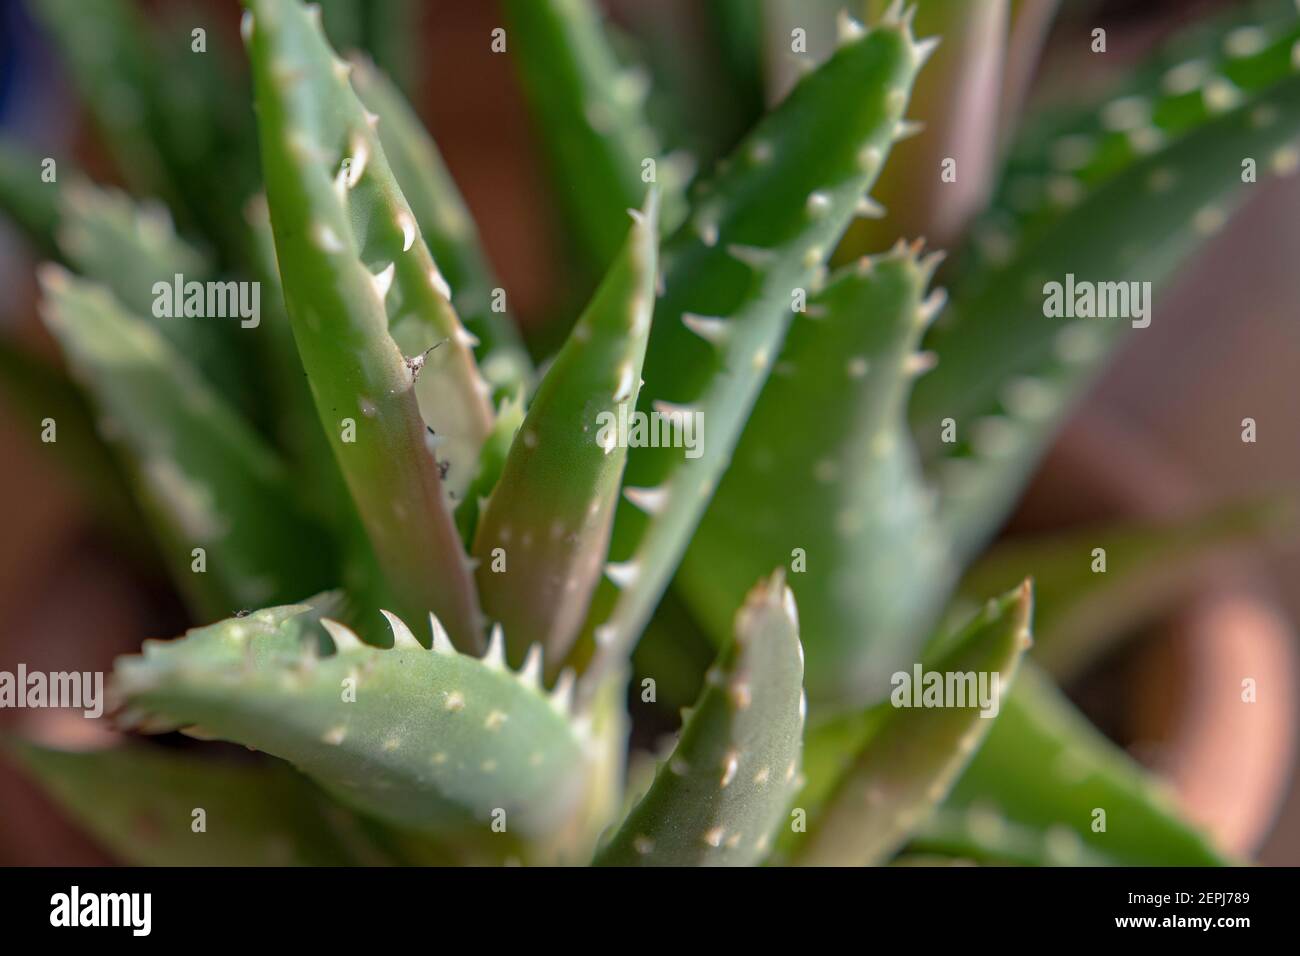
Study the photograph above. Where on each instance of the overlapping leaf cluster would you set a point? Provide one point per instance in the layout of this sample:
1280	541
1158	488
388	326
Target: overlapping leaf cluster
456	560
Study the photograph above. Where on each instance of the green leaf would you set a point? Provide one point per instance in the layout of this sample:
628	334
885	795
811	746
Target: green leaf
829	749
1077	146
133	249
1039	781
33	205
549	516
431	740
1007	373
383	349
913	757
1081	612
759	231
297	426
346	213
737	30
152	97
205	129
387	32
447	229
139	804
724	791
106	47
589	115
870	567
206	479
676	652
491	463
128	246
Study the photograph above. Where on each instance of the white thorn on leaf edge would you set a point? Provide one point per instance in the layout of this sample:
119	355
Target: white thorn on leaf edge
712	329
384	280
649	500
623	574
441	642
562	696
531	672
402	636
495	656
345	639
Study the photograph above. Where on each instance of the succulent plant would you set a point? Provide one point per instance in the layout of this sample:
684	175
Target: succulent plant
430	560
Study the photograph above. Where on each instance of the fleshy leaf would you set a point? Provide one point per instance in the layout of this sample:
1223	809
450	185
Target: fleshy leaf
432	740
1007	372
491	463
139	803
296	424
133	249
736	26
1081	611
349	215
589	114
150	95
447	229
106	47
725	790
207	133
911	760
128	246
1075	148
979	833
386	31
1046	772
33	205
870	566
371	315
760	231
549	516
207	480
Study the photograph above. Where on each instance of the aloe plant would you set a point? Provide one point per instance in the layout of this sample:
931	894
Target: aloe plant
456	550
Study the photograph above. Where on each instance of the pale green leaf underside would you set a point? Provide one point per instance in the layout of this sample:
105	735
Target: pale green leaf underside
432	740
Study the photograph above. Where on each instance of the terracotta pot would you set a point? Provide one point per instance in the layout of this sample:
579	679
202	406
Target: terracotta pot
1175	698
